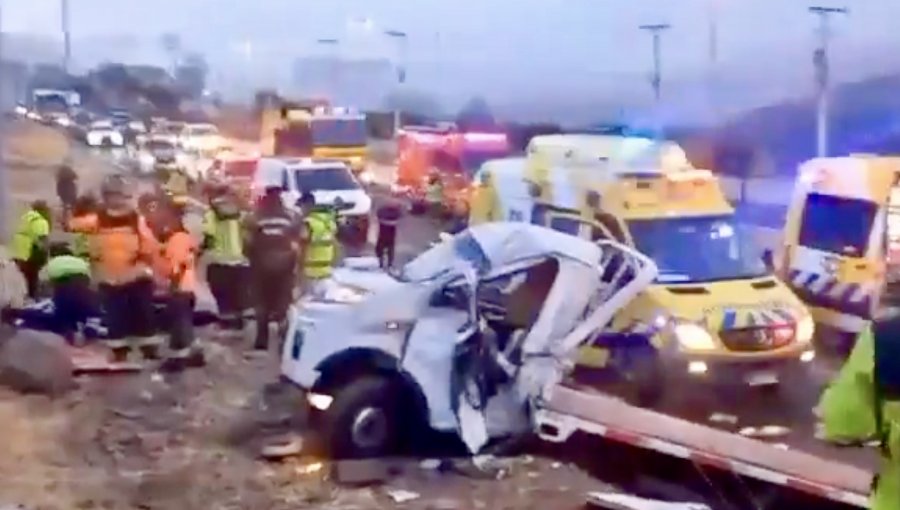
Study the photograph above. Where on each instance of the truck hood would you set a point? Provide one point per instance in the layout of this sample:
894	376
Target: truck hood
364	274
362	204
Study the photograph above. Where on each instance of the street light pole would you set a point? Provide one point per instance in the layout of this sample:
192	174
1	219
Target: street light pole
400	65
333	43
67	39
820	61
656	31
4	181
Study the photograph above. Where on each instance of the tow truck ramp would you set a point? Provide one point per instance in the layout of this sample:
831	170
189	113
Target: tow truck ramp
570	410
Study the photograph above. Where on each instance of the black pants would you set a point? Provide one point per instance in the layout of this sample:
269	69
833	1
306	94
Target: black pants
129	309
74	302
228	284
384	246
272	295
30	273
180	319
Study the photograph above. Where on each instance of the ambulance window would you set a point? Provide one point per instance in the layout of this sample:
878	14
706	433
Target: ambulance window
285	182
566	225
837	224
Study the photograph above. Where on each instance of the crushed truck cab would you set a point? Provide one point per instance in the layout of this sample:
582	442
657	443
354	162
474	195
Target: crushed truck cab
380	354
715	313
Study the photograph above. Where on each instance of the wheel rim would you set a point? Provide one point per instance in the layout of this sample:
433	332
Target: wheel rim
370	428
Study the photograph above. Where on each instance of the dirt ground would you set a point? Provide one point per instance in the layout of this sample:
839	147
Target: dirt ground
149	441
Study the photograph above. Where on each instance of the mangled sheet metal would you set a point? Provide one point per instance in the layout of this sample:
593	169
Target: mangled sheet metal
570	315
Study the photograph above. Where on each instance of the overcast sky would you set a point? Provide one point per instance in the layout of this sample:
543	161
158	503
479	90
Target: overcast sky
592	42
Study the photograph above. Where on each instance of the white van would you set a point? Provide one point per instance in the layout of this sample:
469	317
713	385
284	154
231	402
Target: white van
329	180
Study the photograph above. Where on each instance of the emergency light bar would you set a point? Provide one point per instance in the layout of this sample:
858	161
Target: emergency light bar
485	137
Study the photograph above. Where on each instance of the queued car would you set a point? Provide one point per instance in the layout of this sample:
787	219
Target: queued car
102	133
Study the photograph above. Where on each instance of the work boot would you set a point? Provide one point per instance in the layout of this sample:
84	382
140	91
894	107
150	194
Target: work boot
175	364
195	358
149	347
119	349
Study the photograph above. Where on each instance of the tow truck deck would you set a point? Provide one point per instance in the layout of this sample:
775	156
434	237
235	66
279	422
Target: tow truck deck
571	410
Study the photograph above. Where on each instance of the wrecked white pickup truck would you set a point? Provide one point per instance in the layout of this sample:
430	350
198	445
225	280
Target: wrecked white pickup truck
470	337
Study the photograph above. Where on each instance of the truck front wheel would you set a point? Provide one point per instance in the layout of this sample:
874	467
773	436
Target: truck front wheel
363	420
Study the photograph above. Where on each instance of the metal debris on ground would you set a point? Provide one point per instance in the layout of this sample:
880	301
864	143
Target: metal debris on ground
401	496
308	469
729	419
616	501
765	432
285	447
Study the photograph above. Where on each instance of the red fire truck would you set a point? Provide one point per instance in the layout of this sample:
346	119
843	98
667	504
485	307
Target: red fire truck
448	154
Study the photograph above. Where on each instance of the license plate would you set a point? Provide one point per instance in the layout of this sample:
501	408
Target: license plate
762	379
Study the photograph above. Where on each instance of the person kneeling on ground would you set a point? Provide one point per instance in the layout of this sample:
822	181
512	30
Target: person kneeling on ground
74	301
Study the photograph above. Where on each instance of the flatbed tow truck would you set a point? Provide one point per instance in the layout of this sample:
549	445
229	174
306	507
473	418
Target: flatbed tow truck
834	474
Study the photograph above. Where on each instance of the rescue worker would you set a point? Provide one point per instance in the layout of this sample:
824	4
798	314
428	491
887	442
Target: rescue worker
29	246
177	186
434	195
273	249
66	188
863	402
319	241
123	253
388	216
227	269
74	301
179	270
84	206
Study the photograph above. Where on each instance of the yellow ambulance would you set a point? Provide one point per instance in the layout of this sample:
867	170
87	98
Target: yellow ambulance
716	312
842	232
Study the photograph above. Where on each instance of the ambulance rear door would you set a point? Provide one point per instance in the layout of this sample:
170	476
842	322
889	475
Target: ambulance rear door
832	254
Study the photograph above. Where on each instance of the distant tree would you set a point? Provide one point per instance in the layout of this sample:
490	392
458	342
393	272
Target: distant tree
190	76
166	102
171	44
475	114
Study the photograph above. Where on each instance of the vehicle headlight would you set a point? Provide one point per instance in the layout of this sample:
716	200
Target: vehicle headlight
692	337
116	137
806	329
366	177
340	294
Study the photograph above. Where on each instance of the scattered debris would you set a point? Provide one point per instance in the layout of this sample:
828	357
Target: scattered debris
765	432
781	446
432	464
401	496
36	362
729	419
308	469
285	447
616	501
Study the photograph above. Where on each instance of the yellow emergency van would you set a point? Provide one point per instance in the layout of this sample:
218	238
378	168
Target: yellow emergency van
834	251
716	312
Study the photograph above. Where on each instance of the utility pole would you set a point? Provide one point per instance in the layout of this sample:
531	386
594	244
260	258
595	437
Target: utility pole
713	82
822	71
656	31
400	65
67	37
4	181
333	65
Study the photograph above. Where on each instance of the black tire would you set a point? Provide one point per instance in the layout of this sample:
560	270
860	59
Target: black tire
646	378
353	403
